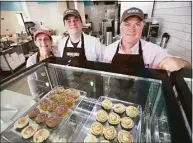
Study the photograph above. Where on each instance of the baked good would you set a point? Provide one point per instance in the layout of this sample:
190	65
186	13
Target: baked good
75	94
41	135
60	90
29	131
33	112
44	104
101	116
119	108
62	110
104	141
97	129
69	101
124	137
54	105
109	133
49	105
68	92
41	118
114	119
54	96
61	99
107	104
53	121
21	123
132	111
90	139
127	123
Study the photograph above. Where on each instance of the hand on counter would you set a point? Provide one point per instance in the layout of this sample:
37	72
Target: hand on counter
173	64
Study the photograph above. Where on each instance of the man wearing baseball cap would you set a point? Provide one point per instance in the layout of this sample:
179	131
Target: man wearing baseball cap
131	50
78	46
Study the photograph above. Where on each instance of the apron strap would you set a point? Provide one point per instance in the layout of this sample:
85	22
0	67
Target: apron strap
82	44
140	49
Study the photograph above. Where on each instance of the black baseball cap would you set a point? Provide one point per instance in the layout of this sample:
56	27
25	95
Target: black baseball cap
132	12
71	12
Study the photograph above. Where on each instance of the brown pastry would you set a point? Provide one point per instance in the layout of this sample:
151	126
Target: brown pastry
41	135
54	105
60	90
125	137
61	99
41	118
44	104
68	92
62	110
75	94
53	121
54	96
33	112
69	101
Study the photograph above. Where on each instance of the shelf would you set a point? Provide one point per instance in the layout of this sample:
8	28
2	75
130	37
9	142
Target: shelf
4	74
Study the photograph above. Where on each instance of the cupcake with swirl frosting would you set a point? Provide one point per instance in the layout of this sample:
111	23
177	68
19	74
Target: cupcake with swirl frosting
124	137
119	108
109	133
114	119
97	129
127	123
107	104
132	111
90	139
102	116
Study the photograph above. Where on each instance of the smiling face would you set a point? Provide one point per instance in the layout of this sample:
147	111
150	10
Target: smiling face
73	24
131	29
44	43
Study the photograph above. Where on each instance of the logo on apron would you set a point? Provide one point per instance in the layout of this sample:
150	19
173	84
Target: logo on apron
72	54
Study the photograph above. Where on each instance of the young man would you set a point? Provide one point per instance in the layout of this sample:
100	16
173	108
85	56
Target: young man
78	45
131	50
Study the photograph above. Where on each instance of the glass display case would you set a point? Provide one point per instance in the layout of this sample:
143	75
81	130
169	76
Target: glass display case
150	89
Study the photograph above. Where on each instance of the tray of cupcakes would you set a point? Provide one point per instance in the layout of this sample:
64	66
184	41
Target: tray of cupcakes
113	121
41	122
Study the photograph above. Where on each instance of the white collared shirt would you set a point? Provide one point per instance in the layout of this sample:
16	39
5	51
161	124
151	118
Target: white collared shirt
152	54
93	48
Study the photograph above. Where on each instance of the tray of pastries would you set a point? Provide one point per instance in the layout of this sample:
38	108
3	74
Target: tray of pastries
45	118
113	121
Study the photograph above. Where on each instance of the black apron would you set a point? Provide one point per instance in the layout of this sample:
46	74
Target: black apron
129	60
75	56
123	89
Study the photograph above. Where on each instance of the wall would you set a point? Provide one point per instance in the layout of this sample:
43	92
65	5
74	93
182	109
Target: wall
147	7
47	13
175	19
9	22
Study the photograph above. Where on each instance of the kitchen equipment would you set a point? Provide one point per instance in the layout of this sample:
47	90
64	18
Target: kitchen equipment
109	35
164	40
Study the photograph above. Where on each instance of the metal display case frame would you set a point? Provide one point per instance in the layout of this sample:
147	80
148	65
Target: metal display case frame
175	118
